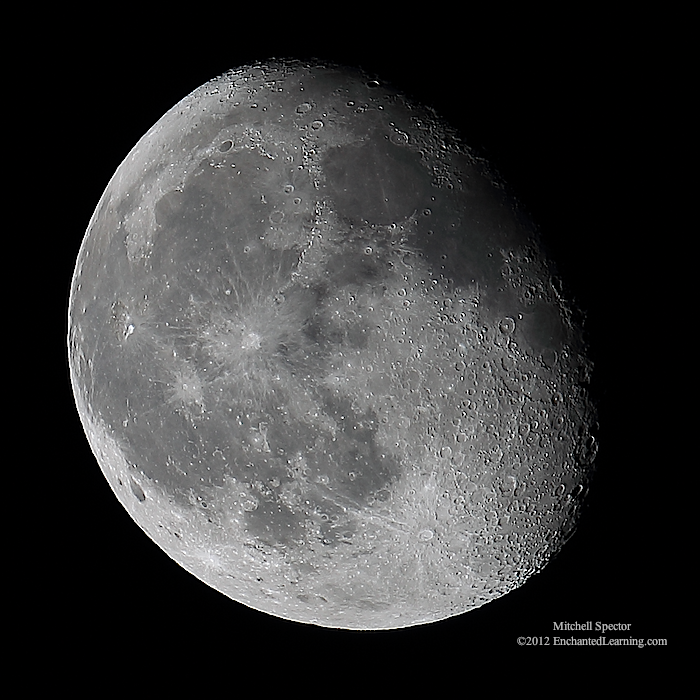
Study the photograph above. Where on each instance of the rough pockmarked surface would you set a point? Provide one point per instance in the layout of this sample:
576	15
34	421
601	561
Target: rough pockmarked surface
321	358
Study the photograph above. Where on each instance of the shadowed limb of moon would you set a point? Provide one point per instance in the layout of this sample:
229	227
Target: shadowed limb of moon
322	359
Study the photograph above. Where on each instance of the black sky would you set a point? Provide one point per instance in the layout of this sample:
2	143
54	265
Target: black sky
552	110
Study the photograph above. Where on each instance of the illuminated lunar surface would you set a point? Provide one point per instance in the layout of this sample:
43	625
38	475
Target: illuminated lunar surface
322	359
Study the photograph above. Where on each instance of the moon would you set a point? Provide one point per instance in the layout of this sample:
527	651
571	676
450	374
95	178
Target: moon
322	357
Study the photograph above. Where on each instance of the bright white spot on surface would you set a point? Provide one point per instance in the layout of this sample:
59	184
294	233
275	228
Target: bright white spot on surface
251	341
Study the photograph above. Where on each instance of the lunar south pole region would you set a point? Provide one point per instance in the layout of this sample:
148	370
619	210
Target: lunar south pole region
323	358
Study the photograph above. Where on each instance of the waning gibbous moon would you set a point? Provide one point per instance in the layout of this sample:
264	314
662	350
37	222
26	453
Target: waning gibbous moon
322	358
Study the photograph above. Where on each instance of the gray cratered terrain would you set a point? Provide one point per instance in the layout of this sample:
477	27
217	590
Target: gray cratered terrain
322	358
